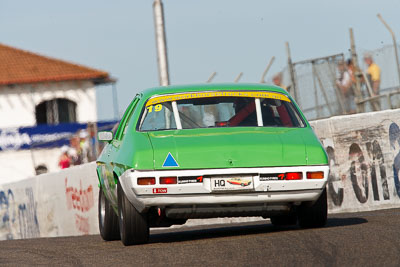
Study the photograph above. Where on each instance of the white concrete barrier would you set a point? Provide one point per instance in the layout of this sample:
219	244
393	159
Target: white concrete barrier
55	204
364	154
364	151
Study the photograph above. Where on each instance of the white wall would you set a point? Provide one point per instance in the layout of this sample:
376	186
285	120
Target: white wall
17	103
57	204
362	160
18	165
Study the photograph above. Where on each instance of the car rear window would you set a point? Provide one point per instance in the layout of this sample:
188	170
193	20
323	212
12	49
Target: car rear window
219	109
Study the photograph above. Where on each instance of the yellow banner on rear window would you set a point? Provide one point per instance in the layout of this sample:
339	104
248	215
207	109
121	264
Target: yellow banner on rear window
182	96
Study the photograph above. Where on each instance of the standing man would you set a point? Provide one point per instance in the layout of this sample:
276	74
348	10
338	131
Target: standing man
374	77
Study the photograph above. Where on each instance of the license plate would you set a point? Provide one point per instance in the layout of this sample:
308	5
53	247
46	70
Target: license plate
232	183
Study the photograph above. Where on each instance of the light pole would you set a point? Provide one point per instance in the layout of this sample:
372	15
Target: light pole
162	58
394	43
161	43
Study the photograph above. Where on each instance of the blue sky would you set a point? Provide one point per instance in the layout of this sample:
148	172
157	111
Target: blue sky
225	36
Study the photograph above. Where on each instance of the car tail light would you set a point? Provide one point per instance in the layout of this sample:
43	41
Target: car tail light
294	176
315	175
168	180
146	181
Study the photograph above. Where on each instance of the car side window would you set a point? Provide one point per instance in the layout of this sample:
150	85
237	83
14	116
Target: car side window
157	117
125	119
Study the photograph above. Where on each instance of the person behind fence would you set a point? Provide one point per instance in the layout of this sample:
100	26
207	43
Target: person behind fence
92	142
74	150
277	80
374	77
65	160
345	84
351	69
84	146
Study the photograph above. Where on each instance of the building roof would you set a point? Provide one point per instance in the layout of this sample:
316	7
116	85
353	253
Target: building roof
18	66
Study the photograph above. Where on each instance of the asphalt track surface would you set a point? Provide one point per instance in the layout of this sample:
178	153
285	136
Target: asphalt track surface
353	239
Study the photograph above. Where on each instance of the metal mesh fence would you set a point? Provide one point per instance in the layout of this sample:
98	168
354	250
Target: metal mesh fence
385	58
318	95
389	91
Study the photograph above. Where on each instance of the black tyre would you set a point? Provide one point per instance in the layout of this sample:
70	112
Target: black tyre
314	214
133	226
108	219
284	220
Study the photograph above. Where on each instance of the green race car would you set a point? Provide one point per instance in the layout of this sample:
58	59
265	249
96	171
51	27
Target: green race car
210	150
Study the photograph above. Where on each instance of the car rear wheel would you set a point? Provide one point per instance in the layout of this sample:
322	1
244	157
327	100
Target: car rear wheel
133	226
314	214
284	220
108	219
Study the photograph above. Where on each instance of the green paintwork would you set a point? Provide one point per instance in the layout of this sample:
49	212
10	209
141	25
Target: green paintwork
237	147
208	147
210	87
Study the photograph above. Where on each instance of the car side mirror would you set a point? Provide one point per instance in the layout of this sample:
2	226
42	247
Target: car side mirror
105	136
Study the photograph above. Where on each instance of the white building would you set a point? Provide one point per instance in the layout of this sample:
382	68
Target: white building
36	90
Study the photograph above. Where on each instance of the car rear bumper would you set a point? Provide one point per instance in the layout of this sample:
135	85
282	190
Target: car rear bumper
271	193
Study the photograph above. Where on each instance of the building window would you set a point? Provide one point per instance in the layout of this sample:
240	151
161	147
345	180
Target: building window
59	110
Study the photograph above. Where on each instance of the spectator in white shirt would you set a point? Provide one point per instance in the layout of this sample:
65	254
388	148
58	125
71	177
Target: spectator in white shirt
345	84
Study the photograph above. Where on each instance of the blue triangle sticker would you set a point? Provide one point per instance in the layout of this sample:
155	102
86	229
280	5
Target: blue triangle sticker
170	161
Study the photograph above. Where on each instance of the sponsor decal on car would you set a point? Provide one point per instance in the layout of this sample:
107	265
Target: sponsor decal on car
170	161
272	177
175	97
160	190
190	179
